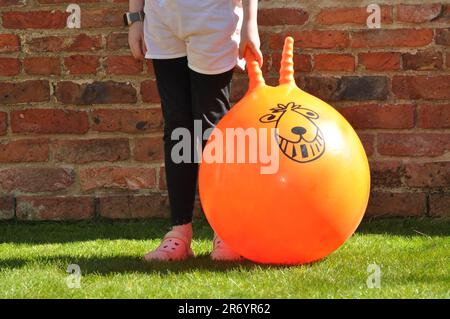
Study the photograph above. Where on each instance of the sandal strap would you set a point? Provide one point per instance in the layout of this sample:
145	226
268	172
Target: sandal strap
217	242
173	234
167	245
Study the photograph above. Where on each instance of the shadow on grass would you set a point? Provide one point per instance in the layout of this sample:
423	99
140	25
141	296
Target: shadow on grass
45	232
131	264
67	232
406	226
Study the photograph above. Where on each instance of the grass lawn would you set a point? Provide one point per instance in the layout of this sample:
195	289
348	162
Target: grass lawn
414	256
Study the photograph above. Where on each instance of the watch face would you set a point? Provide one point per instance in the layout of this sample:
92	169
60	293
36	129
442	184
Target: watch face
134	16
131	17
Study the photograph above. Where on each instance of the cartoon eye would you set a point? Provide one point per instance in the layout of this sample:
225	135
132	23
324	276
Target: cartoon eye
308	113
268	118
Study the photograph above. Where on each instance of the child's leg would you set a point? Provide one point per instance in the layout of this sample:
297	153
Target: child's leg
210	96
210	102
172	77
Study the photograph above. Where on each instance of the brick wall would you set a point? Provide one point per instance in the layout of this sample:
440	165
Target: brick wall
80	123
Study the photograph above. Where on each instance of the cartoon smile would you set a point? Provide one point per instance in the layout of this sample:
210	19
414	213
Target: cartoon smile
302	142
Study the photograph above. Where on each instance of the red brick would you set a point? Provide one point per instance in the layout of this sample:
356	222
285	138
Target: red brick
91	150
443	37
351	88
381	38
79	43
162	185
24	150
35	19
6	207
323	87
396	204
380	61
83	43
421	87
312	39
148	149
9	43
123	65
134	206
8	3
82	64
150	69
108	92
132	178
323	39
282	16
445	14
42	66
36	179
46	44
102	18
368	141
422	61
440	205
149	92
45	121
379	116
67	1
447	57
274	81
418	13
3	122
55	207
117	41
413	144
127	120
359	88
302	62
434	174
434	116
386	173
358	16
9	66
334	62
24	92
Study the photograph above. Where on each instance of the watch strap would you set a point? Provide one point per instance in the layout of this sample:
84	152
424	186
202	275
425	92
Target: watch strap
131	17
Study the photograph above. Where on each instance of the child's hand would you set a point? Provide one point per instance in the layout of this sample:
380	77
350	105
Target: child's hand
136	40
250	40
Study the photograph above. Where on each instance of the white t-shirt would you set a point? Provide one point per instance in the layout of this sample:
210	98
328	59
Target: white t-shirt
206	31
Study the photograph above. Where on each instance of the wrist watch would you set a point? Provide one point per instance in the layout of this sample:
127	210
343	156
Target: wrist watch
130	17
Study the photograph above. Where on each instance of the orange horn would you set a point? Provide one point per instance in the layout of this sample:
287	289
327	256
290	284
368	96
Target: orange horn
254	71
287	62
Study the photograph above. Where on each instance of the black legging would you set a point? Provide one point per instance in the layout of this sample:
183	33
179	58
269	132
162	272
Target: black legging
186	96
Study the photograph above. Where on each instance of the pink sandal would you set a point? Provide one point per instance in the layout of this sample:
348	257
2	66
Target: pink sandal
175	246
223	252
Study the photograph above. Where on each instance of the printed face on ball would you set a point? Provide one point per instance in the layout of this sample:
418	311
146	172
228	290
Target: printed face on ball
298	136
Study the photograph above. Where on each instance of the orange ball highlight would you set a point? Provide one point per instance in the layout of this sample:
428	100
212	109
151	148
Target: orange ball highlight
315	200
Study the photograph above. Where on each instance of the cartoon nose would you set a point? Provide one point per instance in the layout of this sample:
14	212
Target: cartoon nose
298	130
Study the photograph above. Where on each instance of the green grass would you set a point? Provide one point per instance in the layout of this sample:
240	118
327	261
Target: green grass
413	255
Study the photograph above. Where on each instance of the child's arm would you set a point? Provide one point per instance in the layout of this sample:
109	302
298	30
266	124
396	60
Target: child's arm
249	32
136	32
